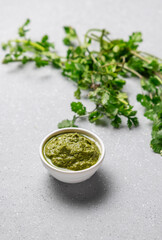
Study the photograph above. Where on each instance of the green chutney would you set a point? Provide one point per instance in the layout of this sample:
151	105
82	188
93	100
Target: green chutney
73	151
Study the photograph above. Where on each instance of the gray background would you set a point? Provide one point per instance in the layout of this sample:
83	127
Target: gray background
123	200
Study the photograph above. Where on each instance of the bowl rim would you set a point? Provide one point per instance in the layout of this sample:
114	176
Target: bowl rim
66	130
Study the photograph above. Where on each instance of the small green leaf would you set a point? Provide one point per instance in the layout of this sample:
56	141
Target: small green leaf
22	30
66	123
44	38
119	83
66	41
154	65
105	98
4	46
150	114
45	43
40	62
70	31
111	109
136	37
155	81
135	121
132	121
56	63
116	48
78	108
71	35
94	116
116	122
145	101
77	93
129	123
27	22
79	67
156	143
24	60
132	113
139	97
123	97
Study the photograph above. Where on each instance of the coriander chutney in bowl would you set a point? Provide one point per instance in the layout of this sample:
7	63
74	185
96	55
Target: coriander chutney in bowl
72	155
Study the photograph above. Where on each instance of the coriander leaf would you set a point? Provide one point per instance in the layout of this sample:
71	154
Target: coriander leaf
145	101
22	30
70	31
136	37
132	121
71	35
105	98
129	123
45	43
154	65
25	60
4	46
57	62
67	41
77	93
40	62
119	83
116	122
139	97
78	108
132	113
135	121
156	142
150	114
66	123
94	116
123	97
155	81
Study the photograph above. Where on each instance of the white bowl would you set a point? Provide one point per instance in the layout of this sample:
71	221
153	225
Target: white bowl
66	175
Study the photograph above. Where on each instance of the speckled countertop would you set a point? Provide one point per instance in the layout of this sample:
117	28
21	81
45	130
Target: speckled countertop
123	200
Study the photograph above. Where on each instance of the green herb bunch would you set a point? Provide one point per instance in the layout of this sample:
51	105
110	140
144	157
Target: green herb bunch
102	72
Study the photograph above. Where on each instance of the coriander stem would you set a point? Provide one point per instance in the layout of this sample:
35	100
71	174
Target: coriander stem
101	38
95	52
139	56
93	58
125	67
159	75
86	115
16	60
51	54
91	30
79	41
33	44
108	64
94	35
146	60
81	116
80	44
150	55
92	38
131	70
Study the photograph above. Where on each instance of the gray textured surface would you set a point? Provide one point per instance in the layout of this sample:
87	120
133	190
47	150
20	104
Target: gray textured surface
124	199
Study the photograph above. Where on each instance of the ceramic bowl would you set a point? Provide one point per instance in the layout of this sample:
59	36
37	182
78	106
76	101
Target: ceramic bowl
66	175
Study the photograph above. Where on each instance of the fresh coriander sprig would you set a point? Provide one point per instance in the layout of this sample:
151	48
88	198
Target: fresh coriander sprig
25	50
102	72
